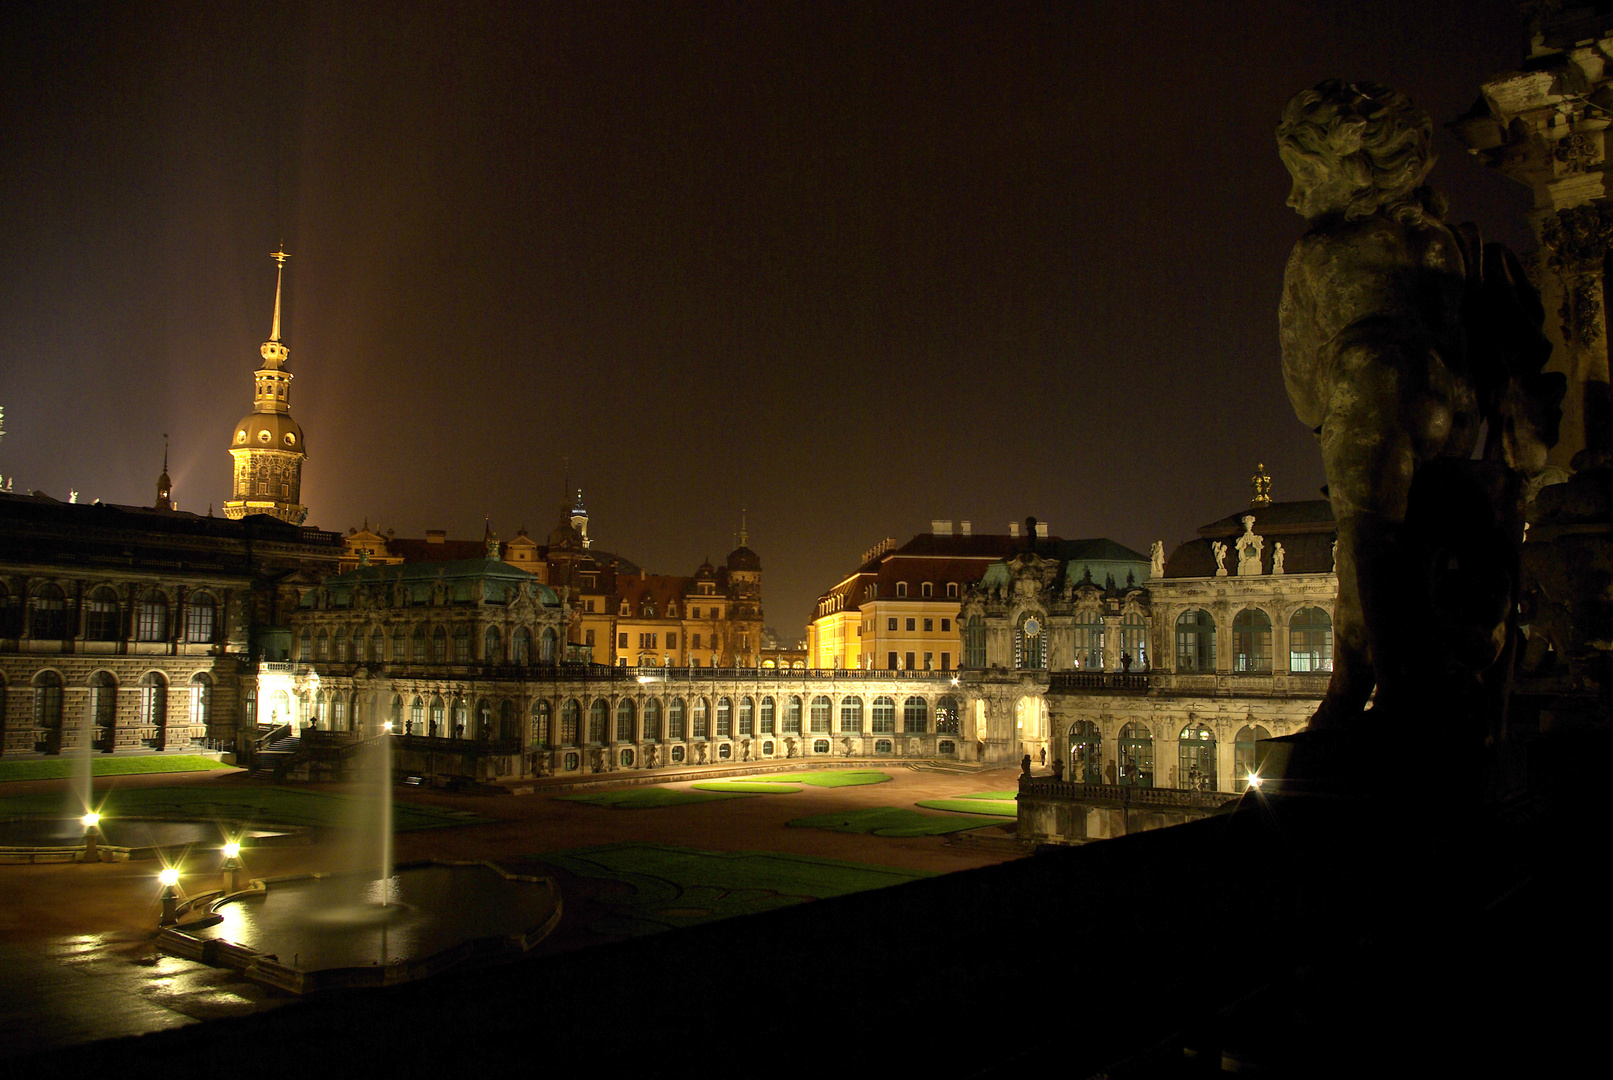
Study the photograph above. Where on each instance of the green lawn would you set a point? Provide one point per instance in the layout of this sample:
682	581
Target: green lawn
676	886
267	805
888	821
650	798
750	787
973	804
59	768
829	778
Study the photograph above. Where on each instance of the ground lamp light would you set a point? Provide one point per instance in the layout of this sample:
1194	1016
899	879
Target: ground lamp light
92	836
169	878
232	866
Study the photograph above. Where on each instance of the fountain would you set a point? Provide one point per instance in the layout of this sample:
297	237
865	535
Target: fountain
375	925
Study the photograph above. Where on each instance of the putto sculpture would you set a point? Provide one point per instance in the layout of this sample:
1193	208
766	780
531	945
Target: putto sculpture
1402	338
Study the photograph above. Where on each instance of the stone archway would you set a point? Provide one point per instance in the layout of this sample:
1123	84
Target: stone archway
1031	726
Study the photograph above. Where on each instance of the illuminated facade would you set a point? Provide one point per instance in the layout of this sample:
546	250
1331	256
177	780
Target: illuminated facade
267	445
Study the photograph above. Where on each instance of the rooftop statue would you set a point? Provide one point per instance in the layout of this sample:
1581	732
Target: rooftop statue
1402	337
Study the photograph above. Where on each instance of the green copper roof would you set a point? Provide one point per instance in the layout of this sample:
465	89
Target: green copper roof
465	580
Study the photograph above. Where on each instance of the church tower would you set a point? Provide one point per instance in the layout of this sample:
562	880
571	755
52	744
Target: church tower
267	445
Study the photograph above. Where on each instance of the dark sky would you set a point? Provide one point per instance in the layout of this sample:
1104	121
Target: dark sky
853	266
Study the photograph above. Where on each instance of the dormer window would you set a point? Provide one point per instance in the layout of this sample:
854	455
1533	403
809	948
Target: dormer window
901	588
952	589
926	589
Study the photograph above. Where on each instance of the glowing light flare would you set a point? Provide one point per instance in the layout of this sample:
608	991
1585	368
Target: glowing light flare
1254	781
232	850
387	725
91	819
169	877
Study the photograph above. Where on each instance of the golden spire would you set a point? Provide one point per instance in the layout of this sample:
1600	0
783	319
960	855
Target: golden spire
279	257
1261	483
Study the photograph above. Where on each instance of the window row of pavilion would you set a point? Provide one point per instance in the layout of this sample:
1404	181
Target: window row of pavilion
436	645
1133	759
47	693
103	615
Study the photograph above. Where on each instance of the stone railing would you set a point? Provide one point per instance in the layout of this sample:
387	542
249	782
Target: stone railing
1123	794
1099	680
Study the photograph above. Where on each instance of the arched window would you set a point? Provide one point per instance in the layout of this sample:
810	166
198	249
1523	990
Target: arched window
103	701
338	714
521	646
461	717
540	725
901	588
377	646
1249	755
674	720
462	644
101	617
305	645
492	646
507	729
48	703
417	717
974	642
882	716
154	704
851	714
1030	642
201	618
400	646
626	720
747	717
1086	753
321	644
820	714
725	718
484	719
598	719
439	646
1136	755
151	617
1195	758
546	646
915	716
768	717
1134	639
395	715
1089	640
698	719
652	720
570	713
1251	642
48	620
792	715
1195	641
201	700
926	589
339	637
946	716
1310	641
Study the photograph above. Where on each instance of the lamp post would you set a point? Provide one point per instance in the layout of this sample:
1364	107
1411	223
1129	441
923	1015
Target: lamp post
92	836
170	896
232	867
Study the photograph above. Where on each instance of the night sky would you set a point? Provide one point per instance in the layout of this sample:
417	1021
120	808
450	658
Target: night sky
852	266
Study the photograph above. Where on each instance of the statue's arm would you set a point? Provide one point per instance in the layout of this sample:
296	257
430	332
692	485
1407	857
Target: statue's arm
1300	336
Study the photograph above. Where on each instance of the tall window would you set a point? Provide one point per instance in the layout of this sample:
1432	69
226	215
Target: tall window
570	712
1195	758
417	717
1310	641
974	642
340	638
396	715
1249	755
1134	638
598	718
1030	642
1195	641
915	715
725	716
201	615
103	700
439	646
439	720
851	713
1251	641
1089	640
768	716
321	644
101	622
1086	753
820	713
461	644
492	646
377	646
626	717
882	717
698	720
201	700
49	616
946	716
521	646
151	617
547	646
153	700
540	725
48	701
652	720
1136	755
792	715
674	720
747	717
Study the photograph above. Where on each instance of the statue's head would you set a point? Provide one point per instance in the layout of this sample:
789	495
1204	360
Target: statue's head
1357	149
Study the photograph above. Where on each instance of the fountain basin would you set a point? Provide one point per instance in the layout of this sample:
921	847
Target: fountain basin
62	839
314	932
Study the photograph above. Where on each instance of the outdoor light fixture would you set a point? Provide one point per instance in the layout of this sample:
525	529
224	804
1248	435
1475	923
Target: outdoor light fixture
232	850
1254	781
169	877
387	725
91	819
170	896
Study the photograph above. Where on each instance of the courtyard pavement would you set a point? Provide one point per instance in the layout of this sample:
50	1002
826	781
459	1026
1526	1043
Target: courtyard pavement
77	954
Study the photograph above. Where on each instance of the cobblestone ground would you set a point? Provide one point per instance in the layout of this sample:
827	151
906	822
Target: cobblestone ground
77	954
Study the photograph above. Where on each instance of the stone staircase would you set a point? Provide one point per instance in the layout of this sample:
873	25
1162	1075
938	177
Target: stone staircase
272	761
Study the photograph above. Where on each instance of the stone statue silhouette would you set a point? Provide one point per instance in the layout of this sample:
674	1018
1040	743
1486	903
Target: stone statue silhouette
1401	337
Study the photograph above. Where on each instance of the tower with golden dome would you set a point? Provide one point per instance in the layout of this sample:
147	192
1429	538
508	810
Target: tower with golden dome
267	443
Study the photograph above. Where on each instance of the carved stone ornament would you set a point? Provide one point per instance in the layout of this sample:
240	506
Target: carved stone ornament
1250	545
1156	559
1219	550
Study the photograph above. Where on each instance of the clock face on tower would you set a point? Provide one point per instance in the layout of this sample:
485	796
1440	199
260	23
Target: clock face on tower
1033	626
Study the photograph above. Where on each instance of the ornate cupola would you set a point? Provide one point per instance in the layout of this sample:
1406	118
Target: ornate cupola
267	444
